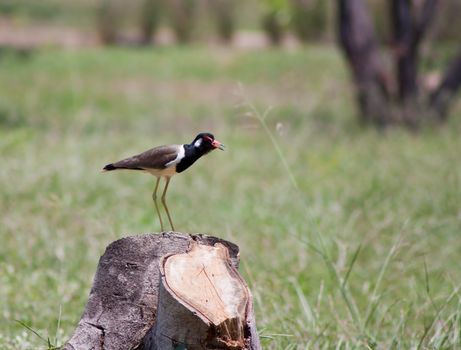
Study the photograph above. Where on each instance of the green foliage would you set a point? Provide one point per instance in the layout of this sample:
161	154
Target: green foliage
306	18
273	27
348	237
274	19
309	19
277	5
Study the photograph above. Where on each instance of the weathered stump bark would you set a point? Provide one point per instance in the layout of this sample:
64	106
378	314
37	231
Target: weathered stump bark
167	291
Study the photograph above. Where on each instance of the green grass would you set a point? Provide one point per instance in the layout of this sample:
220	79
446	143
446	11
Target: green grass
349	237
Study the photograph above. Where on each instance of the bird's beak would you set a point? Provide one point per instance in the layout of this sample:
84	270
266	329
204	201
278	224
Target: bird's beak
217	144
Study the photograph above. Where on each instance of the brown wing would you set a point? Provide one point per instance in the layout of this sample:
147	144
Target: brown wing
155	158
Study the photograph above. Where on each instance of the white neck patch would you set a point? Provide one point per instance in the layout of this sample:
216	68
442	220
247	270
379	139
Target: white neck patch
179	157
198	143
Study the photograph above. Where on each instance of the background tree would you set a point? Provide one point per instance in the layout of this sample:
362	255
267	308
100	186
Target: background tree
150	10
399	97
182	13
272	20
108	21
224	16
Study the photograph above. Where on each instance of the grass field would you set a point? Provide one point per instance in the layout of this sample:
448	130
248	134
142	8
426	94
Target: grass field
350	238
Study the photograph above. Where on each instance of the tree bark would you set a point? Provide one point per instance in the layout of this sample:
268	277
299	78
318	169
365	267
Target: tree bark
409	28
405	51
126	298
358	40
427	15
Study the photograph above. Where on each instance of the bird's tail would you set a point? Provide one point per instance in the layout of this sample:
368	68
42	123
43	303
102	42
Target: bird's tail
109	167
112	166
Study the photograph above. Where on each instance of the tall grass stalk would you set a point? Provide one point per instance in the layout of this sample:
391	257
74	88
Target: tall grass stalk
47	341
374	299
322	251
437	315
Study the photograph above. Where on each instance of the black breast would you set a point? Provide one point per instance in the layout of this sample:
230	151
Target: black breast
191	154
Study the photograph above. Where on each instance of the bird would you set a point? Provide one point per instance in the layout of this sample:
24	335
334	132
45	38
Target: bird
166	161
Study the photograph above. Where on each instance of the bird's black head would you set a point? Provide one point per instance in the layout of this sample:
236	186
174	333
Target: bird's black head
205	142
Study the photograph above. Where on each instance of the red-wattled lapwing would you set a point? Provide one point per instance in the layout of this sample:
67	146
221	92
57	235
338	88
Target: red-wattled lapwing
167	161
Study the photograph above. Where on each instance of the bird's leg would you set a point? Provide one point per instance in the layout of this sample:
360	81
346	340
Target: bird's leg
154	197
167	179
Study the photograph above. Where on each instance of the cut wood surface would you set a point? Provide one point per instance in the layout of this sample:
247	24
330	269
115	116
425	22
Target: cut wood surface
145	285
203	301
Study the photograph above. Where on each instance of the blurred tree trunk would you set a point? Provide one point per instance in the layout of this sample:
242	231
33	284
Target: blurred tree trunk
358	41
224	14
272	27
408	31
182	17
408	103
149	19
108	21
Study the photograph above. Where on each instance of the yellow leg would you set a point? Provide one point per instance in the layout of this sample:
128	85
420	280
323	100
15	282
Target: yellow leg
167	179
154	197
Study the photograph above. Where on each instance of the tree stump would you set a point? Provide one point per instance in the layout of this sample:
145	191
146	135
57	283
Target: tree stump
167	291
